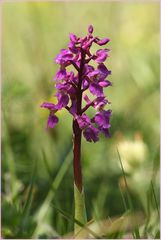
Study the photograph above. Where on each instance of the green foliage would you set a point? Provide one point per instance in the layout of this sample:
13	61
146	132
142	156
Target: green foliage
122	201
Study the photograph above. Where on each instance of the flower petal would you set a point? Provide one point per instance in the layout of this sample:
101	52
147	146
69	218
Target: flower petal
103	41
49	106
63	100
105	83
95	89
83	121
101	55
91	134
52	121
102	119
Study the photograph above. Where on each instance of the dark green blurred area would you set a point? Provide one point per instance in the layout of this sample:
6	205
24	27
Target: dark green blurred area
33	33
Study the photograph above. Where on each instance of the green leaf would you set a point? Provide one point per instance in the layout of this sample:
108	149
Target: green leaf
80	210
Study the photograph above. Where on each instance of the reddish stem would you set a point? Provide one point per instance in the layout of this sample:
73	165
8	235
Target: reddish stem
77	132
77	155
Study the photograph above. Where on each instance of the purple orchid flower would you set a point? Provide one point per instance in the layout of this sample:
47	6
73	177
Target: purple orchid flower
74	86
70	87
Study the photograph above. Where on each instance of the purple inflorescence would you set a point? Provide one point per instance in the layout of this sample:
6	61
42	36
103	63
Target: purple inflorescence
73	86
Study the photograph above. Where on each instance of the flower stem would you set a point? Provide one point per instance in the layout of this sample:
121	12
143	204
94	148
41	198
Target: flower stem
80	211
77	155
79	201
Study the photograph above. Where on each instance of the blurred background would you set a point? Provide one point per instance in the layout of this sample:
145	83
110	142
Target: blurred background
37	172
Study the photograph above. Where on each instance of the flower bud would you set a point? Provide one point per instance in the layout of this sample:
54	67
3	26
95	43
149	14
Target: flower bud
90	29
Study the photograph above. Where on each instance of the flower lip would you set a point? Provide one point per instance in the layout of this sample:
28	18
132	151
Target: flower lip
64	56
102	119
60	75
95	89
91	134
52	121
103	71
101	55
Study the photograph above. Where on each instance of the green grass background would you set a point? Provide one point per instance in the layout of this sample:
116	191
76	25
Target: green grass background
37	164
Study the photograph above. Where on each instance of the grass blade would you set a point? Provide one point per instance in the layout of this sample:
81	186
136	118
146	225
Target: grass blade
127	188
136	233
69	218
66	158
47	165
27	205
154	196
26	209
123	199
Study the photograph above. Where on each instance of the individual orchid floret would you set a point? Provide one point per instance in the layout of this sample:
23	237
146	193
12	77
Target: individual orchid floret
61	74
96	90
83	121
103	41
101	55
64	58
89	131
63	99
52	119
73	38
99	103
102	119
50	106
91	134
